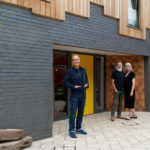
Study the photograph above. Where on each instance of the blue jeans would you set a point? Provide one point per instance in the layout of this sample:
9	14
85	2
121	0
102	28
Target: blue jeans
118	96
76	103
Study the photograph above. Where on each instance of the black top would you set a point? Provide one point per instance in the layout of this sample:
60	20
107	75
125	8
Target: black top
119	78
76	77
128	81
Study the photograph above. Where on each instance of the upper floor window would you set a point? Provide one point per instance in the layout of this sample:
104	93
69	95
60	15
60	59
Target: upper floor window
133	13
46	0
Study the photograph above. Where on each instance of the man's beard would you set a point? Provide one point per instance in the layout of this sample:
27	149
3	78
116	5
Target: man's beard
119	69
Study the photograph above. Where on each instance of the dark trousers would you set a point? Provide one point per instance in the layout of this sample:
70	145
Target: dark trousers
118	96
76	103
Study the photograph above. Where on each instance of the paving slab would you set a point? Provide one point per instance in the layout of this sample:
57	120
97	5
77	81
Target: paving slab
103	134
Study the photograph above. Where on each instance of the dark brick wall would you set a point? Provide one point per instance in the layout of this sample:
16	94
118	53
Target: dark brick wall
25	74
26	61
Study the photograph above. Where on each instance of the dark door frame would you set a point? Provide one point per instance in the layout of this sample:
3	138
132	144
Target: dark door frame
105	101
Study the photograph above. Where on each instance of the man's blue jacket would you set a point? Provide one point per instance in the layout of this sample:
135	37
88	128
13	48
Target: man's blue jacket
70	80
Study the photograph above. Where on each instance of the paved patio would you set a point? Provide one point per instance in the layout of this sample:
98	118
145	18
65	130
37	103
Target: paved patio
102	134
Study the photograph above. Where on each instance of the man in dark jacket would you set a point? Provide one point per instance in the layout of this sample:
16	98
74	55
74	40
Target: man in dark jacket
76	79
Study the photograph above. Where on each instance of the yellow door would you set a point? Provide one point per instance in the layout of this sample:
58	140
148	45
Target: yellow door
86	61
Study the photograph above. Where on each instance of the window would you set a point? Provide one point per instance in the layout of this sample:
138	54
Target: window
47	0
133	13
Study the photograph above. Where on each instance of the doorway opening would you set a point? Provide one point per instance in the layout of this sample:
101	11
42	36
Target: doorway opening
94	65
60	104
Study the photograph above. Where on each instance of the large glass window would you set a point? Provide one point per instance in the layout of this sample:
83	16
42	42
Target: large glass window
133	13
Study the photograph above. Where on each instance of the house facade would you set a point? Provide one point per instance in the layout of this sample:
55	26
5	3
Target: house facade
37	41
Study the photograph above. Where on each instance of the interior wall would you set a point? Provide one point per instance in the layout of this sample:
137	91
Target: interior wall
138	68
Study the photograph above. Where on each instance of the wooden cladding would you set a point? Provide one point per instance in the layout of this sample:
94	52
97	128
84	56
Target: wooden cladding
117	9
124	29
147	12
78	7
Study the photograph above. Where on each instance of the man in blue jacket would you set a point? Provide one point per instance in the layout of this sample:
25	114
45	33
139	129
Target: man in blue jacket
76	79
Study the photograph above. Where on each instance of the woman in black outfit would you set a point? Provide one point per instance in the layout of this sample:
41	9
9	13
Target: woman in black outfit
130	91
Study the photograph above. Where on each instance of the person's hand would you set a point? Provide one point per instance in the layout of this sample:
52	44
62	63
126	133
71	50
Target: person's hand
131	94
77	86
85	85
116	90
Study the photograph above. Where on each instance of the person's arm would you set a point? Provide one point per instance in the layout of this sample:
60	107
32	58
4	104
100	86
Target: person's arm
133	87
113	77
86	85
113	83
66	81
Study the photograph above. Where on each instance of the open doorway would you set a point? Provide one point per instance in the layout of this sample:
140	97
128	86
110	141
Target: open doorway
60	92
94	65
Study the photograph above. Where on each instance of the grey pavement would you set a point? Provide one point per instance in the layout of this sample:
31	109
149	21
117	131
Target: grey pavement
103	134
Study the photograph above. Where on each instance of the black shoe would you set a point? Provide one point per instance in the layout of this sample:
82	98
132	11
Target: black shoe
81	131
72	134
134	117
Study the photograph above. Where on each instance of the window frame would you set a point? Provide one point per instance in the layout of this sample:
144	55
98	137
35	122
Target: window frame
47	1
137	17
